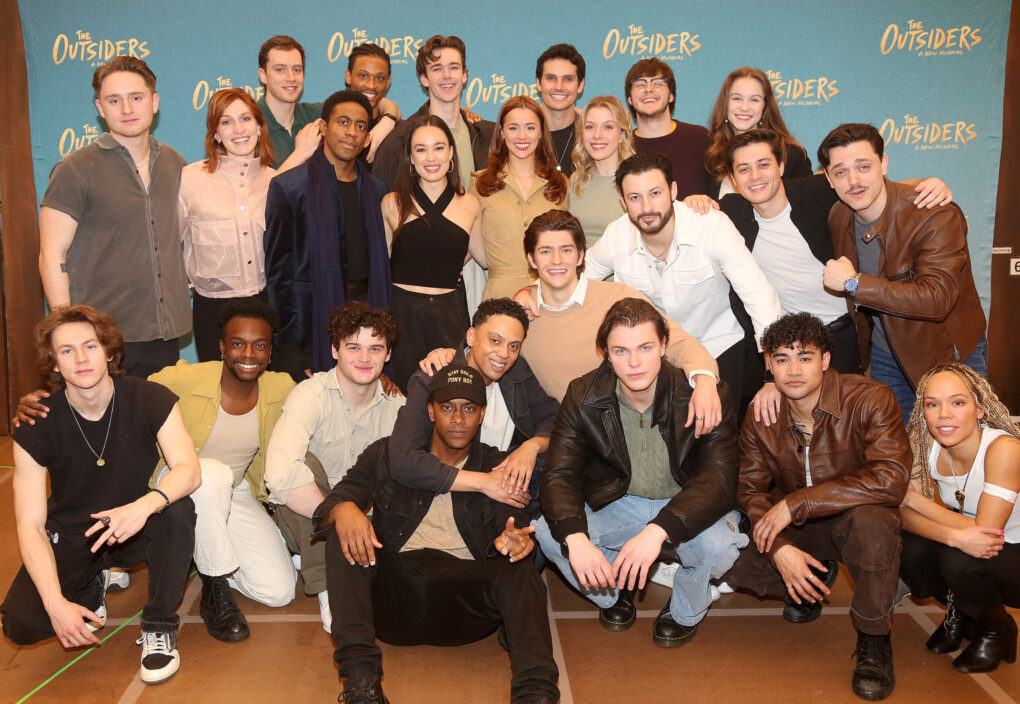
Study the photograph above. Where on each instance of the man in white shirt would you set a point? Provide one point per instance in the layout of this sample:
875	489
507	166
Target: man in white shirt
686	264
327	421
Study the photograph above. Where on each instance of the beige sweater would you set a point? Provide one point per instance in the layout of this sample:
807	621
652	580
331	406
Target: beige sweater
560	345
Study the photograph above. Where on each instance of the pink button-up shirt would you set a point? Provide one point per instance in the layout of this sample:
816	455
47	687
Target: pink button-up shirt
222	218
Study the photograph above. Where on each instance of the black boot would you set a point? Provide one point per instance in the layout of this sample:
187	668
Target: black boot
805	611
223	619
873	678
956	627
994	640
362	693
621	615
667	633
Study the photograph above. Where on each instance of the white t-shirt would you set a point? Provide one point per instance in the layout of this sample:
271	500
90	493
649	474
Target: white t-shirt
783	254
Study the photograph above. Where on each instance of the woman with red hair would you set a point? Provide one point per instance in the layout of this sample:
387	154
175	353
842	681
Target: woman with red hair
221	210
519	183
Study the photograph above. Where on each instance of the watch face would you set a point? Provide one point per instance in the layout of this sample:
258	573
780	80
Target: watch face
850	285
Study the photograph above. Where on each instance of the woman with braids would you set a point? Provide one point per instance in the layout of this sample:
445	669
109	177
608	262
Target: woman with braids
519	183
746	101
606	140
961	537
433	227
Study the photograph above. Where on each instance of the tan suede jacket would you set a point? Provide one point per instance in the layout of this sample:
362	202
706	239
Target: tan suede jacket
924	291
859	455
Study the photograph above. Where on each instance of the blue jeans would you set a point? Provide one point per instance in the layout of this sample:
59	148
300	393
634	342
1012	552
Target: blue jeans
709	555
886	369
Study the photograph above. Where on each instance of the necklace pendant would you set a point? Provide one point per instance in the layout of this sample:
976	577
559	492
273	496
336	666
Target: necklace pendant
100	462
960	496
558	168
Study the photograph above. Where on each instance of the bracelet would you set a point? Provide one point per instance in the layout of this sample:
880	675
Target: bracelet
391	116
165	498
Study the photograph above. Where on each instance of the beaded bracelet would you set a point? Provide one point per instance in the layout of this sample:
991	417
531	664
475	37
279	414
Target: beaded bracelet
165	498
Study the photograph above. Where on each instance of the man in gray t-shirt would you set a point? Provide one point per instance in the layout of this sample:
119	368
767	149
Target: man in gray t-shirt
108	223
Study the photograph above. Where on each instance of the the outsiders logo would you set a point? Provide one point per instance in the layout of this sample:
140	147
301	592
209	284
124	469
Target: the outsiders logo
802	91
940	41
402	50
633	41
203	90
498	91
80	46
71	141
911	132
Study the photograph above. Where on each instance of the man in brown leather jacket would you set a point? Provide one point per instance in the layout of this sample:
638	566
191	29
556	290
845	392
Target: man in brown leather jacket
823	484
624	474
906	272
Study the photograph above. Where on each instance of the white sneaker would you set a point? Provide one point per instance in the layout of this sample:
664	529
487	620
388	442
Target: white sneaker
100	611
715	592
119	580
725	588
663	573
324	612
296	561
160	659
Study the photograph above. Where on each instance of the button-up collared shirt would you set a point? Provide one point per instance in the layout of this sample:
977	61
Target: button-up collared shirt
222	218
707	256
281	139
318	419
125	258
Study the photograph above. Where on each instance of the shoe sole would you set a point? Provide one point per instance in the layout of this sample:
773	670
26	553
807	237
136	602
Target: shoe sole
663	642
228	637
160	678
797	618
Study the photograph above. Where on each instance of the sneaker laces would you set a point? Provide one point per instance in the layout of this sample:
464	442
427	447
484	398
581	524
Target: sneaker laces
154	643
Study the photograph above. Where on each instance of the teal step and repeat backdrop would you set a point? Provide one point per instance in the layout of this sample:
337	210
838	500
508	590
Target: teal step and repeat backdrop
928	73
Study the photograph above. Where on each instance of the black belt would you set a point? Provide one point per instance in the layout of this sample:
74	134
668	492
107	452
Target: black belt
840	323
357	288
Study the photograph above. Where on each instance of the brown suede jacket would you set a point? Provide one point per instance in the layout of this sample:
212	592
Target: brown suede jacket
924	291
859	455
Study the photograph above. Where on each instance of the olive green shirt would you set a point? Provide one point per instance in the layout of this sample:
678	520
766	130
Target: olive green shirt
650	477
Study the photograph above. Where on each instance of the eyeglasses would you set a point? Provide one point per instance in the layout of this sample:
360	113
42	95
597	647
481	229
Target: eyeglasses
656	83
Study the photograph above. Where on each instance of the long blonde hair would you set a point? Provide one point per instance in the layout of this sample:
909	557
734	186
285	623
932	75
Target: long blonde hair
584	165
996	416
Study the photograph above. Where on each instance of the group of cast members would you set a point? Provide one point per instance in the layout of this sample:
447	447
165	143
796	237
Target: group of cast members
439	353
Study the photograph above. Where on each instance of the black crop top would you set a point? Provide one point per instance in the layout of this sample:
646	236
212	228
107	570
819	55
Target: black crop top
429	250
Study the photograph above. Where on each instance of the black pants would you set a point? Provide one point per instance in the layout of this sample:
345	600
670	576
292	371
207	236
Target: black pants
866	539
205	316
428	597
845	356
426	322
933	569
166	543
142	359
738	366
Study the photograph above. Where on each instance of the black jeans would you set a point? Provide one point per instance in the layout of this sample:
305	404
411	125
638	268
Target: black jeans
142	359
429	597
933	569
166	543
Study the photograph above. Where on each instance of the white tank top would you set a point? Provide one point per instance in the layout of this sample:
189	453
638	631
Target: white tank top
974	482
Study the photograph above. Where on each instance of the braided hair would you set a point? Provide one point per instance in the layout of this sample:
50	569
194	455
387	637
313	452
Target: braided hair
996	416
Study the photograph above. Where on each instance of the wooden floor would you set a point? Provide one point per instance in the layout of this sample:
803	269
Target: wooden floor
744	652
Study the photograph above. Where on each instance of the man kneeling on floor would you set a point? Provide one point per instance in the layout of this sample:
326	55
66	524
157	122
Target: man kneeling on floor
624	475
824	484
98	447
426	568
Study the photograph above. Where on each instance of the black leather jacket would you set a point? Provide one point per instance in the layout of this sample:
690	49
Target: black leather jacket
588	462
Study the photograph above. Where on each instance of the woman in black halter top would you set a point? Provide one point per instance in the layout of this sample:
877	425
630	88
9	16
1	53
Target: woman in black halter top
434	227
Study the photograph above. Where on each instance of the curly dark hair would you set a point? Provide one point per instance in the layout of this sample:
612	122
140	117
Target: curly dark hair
794	328
107	333
630	312
500	306
250	307
350	317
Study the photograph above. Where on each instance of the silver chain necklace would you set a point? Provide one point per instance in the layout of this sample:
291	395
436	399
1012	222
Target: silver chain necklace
961	492
99	456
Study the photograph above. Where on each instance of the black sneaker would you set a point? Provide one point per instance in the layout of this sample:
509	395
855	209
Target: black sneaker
358	693
805	611
621	615
160	659
223	619
873	678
